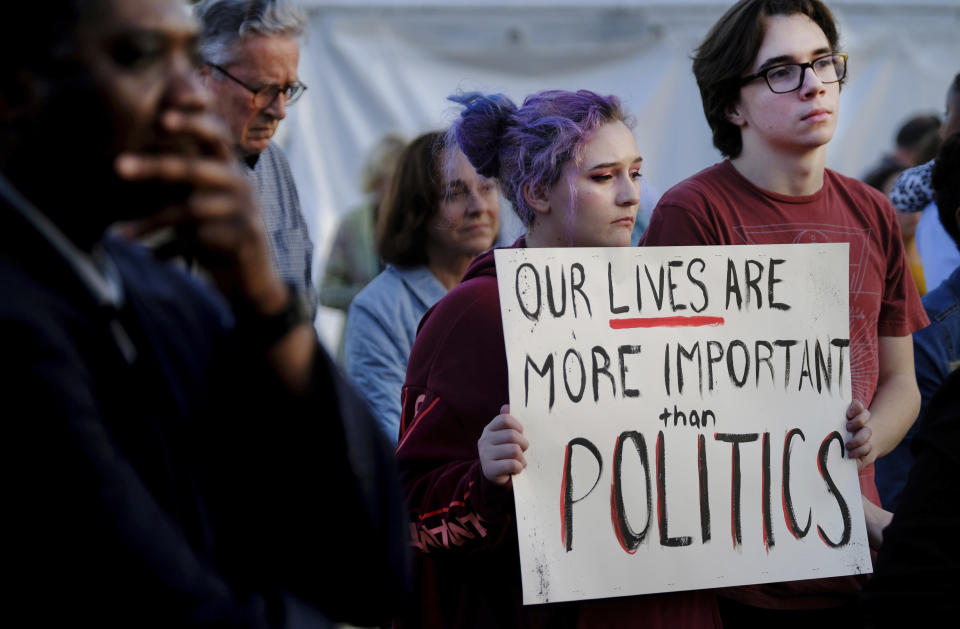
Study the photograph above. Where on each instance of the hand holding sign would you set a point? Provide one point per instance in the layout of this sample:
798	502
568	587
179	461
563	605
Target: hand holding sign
501	447
877	519
859	446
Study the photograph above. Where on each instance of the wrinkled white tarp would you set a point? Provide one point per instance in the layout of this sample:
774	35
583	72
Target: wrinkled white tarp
377	67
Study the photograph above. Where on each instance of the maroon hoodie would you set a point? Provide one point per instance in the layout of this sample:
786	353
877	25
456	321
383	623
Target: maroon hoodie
461	524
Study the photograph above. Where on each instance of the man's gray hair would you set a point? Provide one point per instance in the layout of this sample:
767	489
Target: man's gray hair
225	22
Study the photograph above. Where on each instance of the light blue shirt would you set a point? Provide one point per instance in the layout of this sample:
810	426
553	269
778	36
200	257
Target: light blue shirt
938	253
381	325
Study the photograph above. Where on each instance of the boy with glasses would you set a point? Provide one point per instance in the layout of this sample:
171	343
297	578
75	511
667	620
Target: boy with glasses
769	73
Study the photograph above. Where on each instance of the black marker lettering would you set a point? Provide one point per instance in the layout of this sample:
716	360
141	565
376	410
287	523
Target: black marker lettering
764	359
670	285
566	494
629	540
566	372
563	293
711	360
666	367
533	315
834	491
771	280
613	309
840	343
657	293
636	270
665	539
752	282
788	513
786	363
742	380
700	285
547	368
733	285
601	369
622	351
576	286
805	367
823	366
735	518
765	481
683	353
704	488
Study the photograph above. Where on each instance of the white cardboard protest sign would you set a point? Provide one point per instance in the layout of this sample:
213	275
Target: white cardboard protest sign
685	408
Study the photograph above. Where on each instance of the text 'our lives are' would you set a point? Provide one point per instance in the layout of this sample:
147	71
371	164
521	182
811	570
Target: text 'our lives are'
672	286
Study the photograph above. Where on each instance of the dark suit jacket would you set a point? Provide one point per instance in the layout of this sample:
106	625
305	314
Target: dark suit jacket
917	568
187	489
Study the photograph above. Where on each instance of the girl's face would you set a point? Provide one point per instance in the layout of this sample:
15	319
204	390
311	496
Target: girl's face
468	218
595	204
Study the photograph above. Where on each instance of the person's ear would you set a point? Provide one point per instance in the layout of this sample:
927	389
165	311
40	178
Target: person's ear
734	115
535	194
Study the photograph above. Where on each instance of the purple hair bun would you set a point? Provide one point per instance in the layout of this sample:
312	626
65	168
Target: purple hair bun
482	126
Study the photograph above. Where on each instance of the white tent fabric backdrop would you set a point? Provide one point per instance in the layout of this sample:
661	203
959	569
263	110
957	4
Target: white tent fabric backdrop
376	67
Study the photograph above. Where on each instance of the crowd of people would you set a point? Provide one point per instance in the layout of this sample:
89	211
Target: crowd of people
186	453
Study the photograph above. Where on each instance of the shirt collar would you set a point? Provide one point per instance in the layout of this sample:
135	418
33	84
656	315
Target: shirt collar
421	283
96	271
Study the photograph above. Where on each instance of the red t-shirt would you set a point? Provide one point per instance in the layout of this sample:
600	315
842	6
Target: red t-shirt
719	206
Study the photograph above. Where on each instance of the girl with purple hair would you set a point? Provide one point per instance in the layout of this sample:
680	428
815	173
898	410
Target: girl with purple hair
569	164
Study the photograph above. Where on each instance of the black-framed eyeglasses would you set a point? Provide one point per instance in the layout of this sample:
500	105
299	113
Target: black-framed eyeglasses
788	77
268	93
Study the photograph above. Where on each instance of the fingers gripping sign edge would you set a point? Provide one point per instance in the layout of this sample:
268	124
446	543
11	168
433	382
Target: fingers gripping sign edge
501	447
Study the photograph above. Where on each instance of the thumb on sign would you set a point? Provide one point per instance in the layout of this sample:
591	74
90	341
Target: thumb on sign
501	447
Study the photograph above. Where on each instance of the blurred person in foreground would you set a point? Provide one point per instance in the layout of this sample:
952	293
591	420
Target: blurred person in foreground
569	164
353	259
916	570
438	216
176	457
915	577
251	50
769	73
936	348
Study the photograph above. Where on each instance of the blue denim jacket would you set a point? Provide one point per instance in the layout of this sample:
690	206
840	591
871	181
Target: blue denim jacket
381	325
936	352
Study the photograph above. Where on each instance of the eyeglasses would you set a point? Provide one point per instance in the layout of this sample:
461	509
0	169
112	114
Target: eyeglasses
268	93
789	76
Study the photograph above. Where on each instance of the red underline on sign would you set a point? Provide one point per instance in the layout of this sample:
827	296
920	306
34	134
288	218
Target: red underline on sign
664	322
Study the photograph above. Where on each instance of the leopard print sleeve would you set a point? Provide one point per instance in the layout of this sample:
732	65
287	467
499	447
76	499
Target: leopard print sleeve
912	191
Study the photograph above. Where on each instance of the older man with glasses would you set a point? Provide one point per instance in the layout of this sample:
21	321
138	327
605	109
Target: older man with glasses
769	73
251	51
